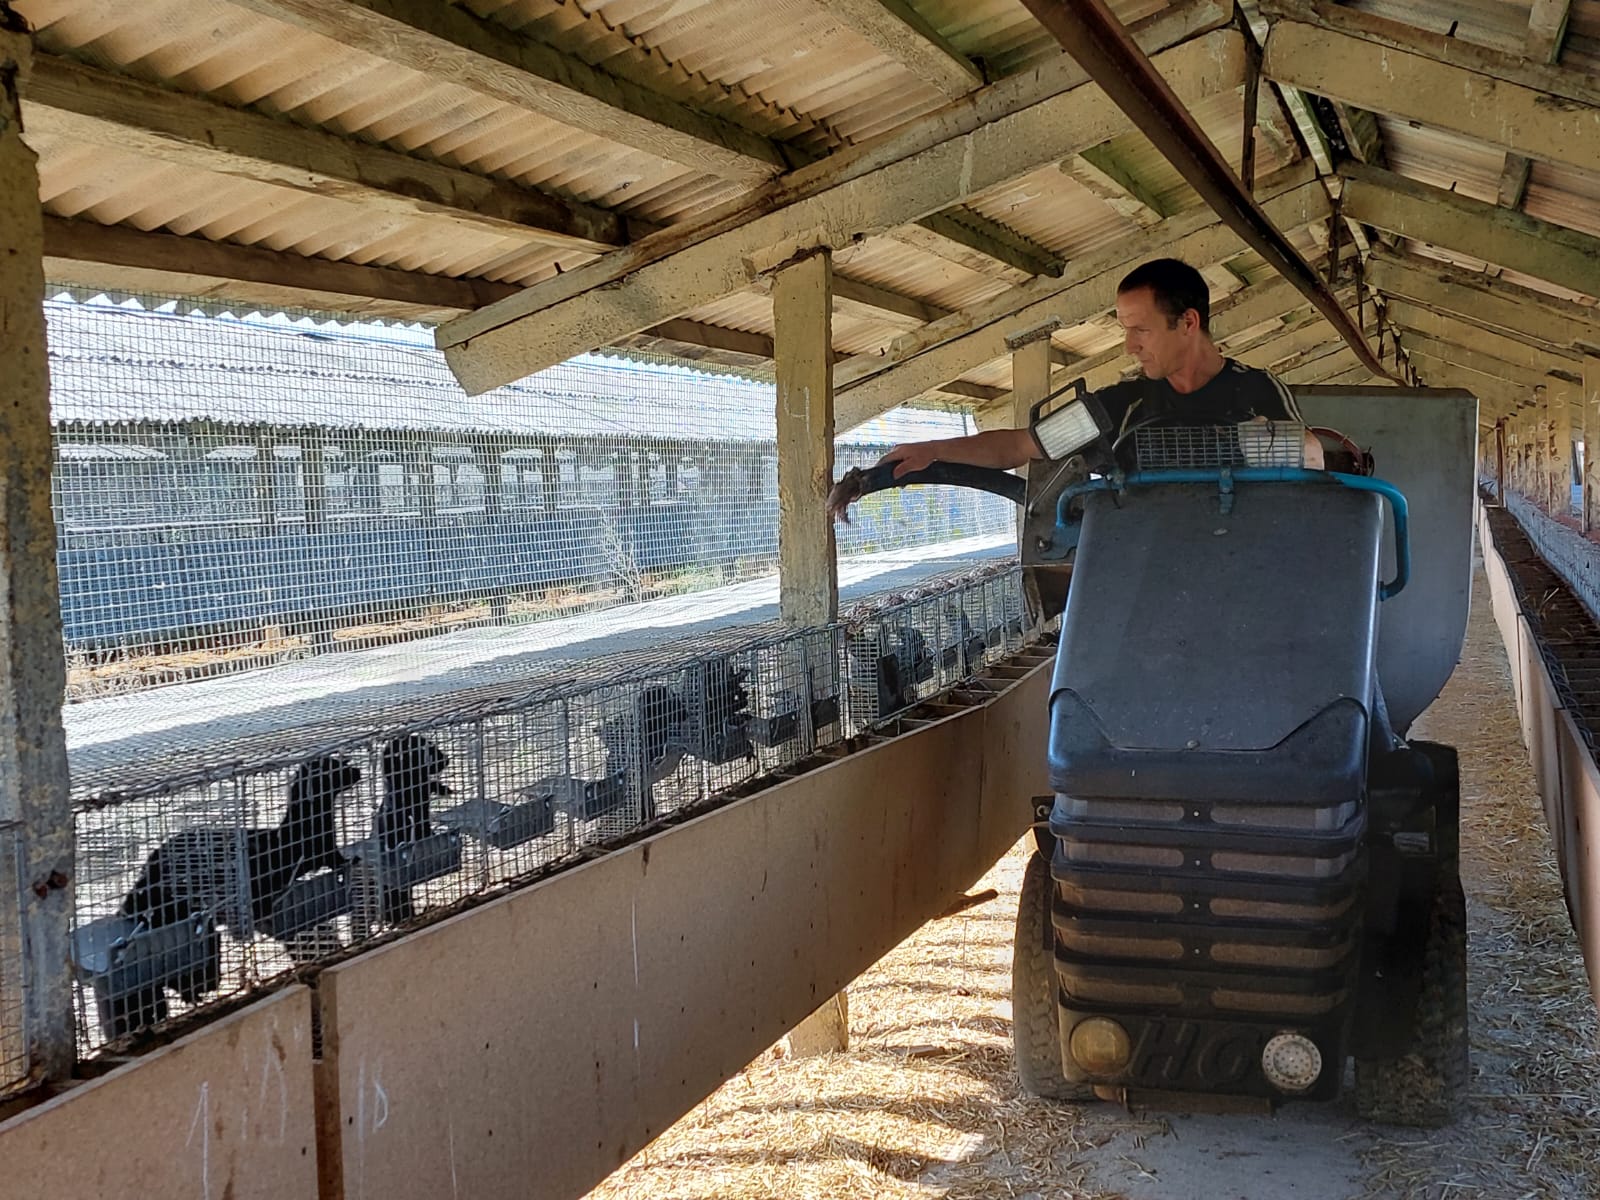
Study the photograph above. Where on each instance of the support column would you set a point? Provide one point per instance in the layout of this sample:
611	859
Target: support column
1030	383
1500	460
808	574
35	816
802	318
1591	442
1560	451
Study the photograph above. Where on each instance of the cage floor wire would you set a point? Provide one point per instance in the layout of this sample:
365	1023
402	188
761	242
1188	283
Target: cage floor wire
124	740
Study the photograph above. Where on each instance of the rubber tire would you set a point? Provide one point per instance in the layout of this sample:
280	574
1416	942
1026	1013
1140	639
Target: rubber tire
1035	1010
1425	1086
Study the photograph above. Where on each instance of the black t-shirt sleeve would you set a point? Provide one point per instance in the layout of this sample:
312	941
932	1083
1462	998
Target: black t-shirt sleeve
1273	400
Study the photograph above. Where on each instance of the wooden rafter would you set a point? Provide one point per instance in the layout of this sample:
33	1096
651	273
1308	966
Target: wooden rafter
1547	27
547	325
871	384
1411	209
1404	72
77	102
903	35
449	42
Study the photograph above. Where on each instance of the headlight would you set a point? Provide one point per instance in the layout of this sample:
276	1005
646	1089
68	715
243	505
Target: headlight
1099	1045
1070	427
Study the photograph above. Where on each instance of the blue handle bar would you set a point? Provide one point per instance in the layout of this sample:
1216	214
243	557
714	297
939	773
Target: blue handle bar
1225	478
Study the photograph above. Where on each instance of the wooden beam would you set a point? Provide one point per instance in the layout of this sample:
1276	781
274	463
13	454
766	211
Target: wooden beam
916	362
1336	360
1508	239
74	101
1547	26
802	308
1513	180
1099	171
1406	315
122	259
713	337
972	391
1340	24
1410	75
1291	347
971	240
903	35
1472	359
450	43
1515	311
77	252
1017	93
677	270
1486	387
884	300
1591	443
1192	234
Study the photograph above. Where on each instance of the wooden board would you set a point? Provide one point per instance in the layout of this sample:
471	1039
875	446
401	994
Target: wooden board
222	1114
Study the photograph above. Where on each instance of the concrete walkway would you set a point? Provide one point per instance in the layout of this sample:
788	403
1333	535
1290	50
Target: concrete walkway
307	701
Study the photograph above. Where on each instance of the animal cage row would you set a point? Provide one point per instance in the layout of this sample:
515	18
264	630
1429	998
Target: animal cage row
173	532
195	888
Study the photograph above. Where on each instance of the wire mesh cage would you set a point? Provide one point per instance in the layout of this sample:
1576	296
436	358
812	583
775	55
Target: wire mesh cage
244	493
1254	444
14	1057
234	867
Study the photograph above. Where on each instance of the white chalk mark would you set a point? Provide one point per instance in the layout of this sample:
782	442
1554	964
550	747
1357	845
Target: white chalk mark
270	1066
361	1125
634	915
455	1188
380	1104
202	1121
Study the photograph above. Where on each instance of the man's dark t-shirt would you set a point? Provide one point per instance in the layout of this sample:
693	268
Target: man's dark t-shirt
1237	394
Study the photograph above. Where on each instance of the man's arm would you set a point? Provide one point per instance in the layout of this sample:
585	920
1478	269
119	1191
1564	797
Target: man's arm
998	448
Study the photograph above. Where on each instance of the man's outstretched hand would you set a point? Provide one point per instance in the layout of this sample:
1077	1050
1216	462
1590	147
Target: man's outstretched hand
912	456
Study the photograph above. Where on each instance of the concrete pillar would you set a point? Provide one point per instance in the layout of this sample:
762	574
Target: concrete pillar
808	575
35	816
1591	442
802	317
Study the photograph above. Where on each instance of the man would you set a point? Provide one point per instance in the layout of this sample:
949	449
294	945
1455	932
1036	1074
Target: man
1164	308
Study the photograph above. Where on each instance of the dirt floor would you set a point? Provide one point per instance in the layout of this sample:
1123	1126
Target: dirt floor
925	1102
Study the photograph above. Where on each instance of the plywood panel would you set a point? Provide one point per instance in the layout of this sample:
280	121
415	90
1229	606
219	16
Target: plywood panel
531	1046
222	1114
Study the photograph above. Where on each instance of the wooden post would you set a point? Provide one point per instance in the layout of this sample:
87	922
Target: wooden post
1560	457
1030	383
494	507
314	486
808	577
1500	461
36	832
1591	442
802	314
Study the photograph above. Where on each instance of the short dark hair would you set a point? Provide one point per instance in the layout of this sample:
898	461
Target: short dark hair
1177	287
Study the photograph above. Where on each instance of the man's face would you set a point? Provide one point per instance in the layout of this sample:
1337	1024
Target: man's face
1150	337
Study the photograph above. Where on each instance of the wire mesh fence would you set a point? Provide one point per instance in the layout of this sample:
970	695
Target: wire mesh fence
14	1059
234	493
216	879
1258	444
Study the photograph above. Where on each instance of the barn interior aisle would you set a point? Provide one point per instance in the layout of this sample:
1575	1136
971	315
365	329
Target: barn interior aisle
926	1102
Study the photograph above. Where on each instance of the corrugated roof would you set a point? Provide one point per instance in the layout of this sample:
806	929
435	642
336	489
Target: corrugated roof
790	71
